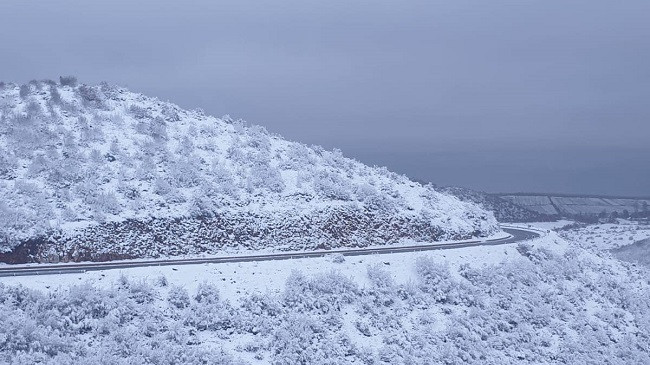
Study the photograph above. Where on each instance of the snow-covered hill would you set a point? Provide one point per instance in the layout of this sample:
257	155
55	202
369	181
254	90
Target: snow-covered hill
98	172
546	301
504	210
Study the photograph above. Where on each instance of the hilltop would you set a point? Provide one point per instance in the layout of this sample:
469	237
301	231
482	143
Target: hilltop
99	173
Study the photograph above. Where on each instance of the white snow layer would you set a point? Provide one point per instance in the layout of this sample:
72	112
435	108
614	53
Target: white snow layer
76	157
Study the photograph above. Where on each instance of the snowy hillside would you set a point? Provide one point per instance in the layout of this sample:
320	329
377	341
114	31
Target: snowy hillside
547	301
98	172
504	210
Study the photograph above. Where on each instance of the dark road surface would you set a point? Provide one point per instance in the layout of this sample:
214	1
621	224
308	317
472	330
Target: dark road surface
517	235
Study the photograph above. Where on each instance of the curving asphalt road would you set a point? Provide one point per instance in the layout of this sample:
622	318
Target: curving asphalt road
516	235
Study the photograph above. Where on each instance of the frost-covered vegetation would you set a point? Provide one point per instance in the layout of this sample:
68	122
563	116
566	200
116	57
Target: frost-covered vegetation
637	252
626	241
568	306
605	236
504	210
76	160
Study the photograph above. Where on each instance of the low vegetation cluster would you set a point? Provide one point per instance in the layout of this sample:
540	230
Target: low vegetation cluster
574	307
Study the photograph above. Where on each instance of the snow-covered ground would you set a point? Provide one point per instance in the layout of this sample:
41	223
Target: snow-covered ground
238	252
608	236
244	278
99	172
558	299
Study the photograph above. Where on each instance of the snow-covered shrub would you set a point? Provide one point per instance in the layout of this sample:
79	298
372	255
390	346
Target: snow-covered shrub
90	97
34	110
208	312
141	292
8	164
107	203
224	181
39	164
298	157
323	293
379	277
259	139
260	314
263	176
162	186
296	340
139	112
178	297
207	294
332	186
184	173
380	203
434	279
158	128
162	281
25	90
170	113
68	81
337	258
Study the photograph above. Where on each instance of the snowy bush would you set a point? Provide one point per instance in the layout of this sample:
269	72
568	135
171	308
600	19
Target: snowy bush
379	277
107	203
332	186
337	258
178	297
8	164
55	96
139	112
90	97
68	81
208	312
298	156
25	90
263	176
324	293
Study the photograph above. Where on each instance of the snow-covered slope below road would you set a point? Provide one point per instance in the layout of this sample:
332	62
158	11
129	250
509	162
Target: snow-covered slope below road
546	301
97	172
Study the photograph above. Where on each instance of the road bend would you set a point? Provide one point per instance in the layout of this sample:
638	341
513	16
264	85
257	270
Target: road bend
515	235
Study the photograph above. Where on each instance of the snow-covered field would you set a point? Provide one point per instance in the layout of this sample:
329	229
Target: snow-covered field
578	205
608	236
575	206
552	300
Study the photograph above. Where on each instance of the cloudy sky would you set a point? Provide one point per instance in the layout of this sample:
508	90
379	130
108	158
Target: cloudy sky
502	96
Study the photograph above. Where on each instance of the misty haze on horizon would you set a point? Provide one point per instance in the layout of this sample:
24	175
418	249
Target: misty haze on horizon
500	96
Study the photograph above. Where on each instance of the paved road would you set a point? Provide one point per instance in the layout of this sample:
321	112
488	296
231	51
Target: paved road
516	235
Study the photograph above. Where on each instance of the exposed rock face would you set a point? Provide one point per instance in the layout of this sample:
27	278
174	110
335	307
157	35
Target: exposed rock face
327	229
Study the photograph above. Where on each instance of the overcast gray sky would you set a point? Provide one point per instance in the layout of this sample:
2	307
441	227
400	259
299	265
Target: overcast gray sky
504	96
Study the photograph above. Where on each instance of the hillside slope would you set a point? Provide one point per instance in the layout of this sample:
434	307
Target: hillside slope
98	173
504	210
582	207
